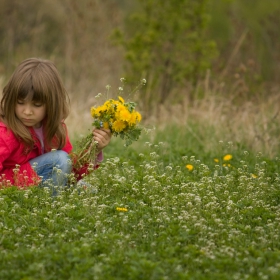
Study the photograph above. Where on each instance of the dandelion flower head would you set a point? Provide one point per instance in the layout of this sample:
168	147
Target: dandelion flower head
121	209
121	99
189	167
124	114
227	157
118	126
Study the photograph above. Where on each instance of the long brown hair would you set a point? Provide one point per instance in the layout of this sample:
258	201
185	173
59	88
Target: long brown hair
38	80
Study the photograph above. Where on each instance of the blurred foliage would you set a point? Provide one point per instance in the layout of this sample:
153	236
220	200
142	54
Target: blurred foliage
23	31
170	43
166	43
72	34
259	21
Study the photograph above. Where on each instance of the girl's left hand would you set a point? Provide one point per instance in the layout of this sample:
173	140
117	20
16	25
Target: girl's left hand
103	137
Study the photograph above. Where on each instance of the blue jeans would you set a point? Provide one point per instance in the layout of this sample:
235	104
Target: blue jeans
53	167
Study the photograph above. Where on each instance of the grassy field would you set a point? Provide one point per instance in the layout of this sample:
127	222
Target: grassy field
198	196
166	208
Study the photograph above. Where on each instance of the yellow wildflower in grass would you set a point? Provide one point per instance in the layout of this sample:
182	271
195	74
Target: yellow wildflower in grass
189	167
254	176
122	209
216	160
227	157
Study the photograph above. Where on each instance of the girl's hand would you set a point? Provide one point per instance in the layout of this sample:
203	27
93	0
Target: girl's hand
103	137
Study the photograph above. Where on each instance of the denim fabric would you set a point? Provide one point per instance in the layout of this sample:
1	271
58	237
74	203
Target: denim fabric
53	167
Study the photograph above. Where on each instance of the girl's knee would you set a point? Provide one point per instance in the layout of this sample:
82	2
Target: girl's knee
64	161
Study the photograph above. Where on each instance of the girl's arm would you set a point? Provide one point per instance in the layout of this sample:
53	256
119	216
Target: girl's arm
22	175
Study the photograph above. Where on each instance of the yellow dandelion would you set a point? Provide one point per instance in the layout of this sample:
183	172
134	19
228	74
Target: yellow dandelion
116	102
96	112
92	111
118	126
227	157
103	108
133	119
254	176
124	115
122	209
138	116
120	107
216	160
109	105
121	99
189	167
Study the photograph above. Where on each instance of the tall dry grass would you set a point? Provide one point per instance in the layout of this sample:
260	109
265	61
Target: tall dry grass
255	126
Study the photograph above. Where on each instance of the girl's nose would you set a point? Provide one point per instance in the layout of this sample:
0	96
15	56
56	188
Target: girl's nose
27	110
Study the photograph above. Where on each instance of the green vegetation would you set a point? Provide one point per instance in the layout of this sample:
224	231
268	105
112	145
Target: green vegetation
198	197
162	211
167	44
171	44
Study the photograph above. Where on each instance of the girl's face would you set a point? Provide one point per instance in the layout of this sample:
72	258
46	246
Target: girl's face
31	113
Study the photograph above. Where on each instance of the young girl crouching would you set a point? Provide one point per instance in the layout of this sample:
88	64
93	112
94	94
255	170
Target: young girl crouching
34	143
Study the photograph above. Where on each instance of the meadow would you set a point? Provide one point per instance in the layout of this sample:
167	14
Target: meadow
198	195
180	203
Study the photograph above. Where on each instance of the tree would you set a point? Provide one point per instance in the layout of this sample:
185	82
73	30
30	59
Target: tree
164	42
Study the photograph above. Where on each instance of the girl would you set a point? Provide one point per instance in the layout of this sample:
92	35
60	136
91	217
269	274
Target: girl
34	144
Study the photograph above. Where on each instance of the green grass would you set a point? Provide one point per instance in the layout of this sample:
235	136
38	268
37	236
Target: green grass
214	222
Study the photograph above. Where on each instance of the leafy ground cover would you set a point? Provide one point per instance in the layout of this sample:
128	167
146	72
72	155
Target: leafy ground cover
164	210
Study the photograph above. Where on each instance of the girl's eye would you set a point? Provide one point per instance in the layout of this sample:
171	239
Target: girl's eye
20	102
38	104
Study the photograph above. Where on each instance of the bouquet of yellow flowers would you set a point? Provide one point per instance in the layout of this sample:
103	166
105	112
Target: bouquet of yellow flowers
120	117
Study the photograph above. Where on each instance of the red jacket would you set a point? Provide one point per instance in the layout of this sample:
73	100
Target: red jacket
15	170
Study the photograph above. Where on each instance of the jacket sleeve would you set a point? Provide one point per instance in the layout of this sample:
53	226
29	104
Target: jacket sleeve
68	147
20	176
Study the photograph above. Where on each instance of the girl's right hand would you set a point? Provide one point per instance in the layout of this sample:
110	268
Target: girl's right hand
103	137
